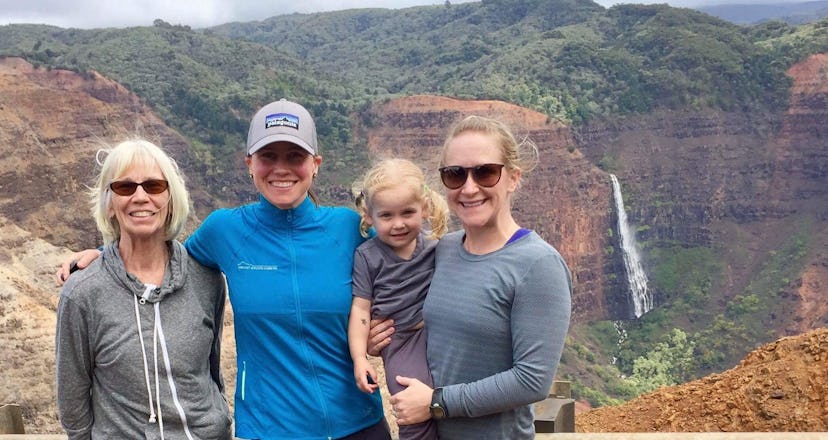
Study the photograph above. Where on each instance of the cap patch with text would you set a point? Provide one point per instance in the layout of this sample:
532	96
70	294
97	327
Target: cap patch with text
282	120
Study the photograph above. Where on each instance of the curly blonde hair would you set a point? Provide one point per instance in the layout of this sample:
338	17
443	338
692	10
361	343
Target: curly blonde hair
393	173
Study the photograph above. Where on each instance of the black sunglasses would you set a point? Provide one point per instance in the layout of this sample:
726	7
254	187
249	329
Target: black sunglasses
486	175
127	188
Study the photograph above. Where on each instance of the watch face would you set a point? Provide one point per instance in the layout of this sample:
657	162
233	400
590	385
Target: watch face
437	411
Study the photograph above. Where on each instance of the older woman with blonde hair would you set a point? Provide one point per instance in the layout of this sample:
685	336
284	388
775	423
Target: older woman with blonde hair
139	331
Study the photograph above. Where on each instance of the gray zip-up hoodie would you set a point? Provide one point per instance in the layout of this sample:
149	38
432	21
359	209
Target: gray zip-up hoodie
159	380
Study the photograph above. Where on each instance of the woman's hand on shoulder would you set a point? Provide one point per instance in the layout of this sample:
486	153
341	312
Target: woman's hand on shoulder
77	260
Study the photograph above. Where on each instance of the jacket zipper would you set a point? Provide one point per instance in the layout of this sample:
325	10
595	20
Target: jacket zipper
297	300
243	378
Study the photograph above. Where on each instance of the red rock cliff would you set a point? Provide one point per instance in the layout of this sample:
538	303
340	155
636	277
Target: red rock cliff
566	199
53	122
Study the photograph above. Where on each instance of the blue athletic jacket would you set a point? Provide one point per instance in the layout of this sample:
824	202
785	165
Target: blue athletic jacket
289	274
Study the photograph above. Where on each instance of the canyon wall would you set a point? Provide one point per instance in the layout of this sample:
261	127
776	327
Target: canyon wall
740	182
566	199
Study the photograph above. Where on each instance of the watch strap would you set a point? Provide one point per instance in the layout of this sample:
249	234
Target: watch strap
437	407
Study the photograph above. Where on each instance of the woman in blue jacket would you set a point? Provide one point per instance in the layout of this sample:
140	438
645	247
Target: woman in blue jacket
288	266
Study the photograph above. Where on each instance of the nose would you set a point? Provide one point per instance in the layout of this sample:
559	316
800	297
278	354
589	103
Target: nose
469	186
140	193
281	165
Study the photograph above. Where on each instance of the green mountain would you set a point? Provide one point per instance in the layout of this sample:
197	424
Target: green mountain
570	59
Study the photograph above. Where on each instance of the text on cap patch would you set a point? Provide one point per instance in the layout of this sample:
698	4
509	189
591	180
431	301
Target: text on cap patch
282	120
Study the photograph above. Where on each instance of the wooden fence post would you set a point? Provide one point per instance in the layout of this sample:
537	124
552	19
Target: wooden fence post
11	420
556	413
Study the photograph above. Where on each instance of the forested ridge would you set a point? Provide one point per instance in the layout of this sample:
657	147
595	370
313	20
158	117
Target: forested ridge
570	59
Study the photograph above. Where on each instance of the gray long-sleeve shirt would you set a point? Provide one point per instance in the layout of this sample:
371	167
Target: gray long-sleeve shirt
102	387
496	329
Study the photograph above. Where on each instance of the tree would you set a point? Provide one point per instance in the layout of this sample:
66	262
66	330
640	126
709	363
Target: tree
670	362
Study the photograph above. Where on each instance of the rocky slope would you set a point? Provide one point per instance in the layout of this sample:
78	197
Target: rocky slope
27	325
780	386
52	123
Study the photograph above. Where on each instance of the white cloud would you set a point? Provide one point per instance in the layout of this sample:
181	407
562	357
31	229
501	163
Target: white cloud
195	13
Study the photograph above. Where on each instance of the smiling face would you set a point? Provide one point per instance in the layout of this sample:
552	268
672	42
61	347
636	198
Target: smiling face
477	206
140	216
397	216
283	173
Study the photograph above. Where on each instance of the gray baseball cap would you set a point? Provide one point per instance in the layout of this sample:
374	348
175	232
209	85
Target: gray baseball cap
282	120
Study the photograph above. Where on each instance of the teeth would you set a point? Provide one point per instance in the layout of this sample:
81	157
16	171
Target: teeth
472	204
281	184
142	214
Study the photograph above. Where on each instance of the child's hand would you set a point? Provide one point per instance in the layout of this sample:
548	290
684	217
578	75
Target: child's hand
365	375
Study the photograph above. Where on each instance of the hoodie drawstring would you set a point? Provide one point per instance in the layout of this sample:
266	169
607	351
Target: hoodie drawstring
155	368
169	375
144	354
158	336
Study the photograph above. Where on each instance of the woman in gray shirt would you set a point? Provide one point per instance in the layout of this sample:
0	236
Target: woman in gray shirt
499	305
139	331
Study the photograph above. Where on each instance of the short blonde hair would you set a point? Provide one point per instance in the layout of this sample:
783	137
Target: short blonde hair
393	173
141	153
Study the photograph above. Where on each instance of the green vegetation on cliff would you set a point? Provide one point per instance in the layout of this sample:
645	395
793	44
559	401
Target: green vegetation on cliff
571	59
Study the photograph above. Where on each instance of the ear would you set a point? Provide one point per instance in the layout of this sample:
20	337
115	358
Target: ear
247	161
317	161
367	219
514	180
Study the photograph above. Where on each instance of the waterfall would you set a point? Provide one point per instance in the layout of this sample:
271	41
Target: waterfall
641	298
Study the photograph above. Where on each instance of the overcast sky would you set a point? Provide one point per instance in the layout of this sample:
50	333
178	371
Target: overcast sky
87	14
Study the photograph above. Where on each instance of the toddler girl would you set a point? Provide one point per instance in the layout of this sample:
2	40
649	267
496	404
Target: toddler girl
392	273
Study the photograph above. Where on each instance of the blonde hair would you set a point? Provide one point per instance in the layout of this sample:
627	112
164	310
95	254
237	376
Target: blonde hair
393	173
517	156
138	153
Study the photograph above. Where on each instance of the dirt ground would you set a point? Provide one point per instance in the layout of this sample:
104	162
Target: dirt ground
781	386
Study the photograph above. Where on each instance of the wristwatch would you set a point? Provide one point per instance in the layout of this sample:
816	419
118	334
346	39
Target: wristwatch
437	410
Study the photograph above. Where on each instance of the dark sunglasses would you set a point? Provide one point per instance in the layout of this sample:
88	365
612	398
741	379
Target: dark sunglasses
486	175
127	188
